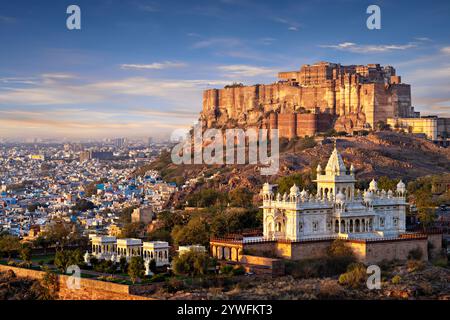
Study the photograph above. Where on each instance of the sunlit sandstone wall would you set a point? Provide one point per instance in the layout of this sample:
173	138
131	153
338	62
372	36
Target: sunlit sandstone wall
90	289
378	251
250	105
366	252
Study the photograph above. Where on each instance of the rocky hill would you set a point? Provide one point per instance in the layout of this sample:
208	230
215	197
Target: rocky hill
391	154
401	283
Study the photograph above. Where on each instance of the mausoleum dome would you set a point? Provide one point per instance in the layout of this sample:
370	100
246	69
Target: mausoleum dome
294	190
373	186
304	193
267	187
401	186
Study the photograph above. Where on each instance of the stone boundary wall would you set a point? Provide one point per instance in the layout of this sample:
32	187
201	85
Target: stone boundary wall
276	266
375	252
371	251
90	289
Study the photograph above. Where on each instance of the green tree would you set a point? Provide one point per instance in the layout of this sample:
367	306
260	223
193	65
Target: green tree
384	183
338	248
136	268
303	181
25	254
355	276
207	198
196	231
241	197
66	258
9	245
191	263
59	233
41	242
133	230
50	283
153	265
234	220
123	264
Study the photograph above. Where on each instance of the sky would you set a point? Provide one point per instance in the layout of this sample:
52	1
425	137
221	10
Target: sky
137	68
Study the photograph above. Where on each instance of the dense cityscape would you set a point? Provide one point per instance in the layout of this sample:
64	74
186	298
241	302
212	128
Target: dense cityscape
42	182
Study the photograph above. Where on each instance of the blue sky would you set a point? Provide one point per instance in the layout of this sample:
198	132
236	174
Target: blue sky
138	68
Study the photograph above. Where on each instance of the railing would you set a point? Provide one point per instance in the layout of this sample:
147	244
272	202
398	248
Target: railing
331	238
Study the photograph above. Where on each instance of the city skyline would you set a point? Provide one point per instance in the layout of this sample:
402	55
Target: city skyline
139	69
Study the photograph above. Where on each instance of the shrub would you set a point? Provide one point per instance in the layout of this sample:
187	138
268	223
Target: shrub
50	285
442	262
158	277
136	269
415	254
330	290
66	258
396	279
238	271
226	269
355	276
12	263
191	263
232	270
338	248
415	265
173	285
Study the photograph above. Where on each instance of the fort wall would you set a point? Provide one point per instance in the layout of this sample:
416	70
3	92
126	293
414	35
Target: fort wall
372	92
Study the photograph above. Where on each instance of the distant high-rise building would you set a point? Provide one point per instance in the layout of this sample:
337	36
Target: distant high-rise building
119	142
100	155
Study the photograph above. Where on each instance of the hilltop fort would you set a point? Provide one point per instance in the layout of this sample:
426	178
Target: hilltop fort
314	99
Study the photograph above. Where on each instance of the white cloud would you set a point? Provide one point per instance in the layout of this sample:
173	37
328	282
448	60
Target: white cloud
423	39
154	66
240	70
292	25
215	42
58	89
445	50
369	48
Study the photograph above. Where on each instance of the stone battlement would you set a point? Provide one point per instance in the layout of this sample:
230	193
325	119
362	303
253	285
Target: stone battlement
309	101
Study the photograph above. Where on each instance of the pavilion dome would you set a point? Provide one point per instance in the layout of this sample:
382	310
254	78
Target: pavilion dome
373	186
267	187
401	187
335	163
304	193
294	190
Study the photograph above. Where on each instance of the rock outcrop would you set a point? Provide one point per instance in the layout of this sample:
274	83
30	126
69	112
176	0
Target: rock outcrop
358	96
